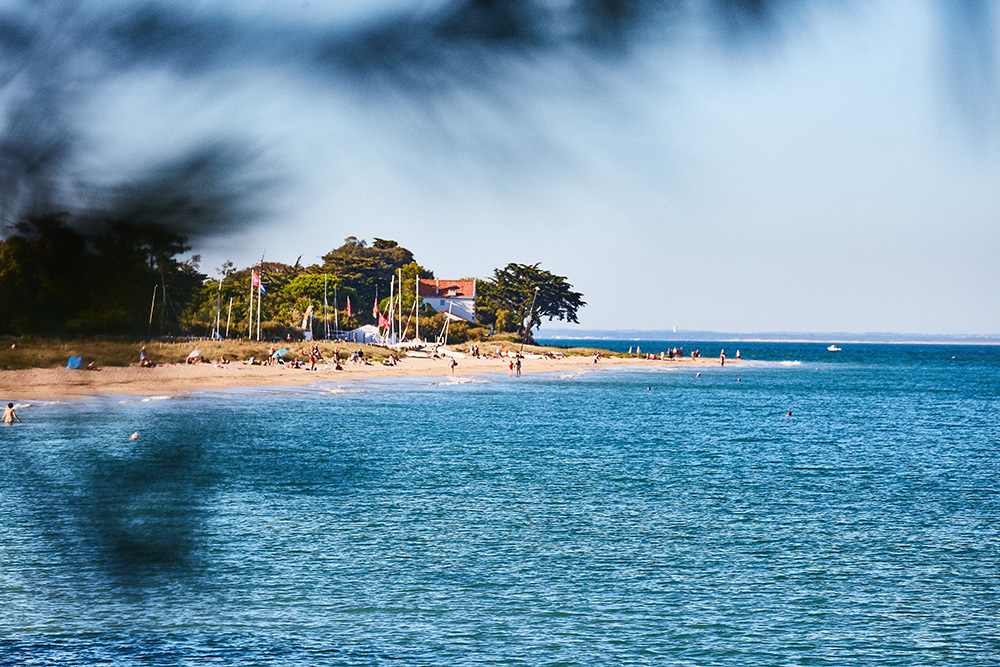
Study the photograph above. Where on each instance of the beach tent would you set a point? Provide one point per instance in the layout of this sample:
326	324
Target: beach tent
75	363
366	334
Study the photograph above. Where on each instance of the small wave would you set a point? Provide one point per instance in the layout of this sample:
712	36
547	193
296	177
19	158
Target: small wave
45	404
341	390
144	399
461	380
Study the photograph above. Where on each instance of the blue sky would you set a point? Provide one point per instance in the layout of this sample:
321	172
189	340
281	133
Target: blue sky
829	179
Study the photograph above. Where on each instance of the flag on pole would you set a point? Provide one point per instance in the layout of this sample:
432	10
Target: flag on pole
382	322
258	283
307	317
375	312
349	306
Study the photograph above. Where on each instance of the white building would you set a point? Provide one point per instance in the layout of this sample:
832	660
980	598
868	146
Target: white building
455	296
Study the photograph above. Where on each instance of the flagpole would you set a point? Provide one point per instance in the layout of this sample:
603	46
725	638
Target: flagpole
218	309
416	305
152	305
250	311
336	312
260	289
326	311
229	316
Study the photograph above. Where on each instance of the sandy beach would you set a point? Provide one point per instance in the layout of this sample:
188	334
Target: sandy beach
58	383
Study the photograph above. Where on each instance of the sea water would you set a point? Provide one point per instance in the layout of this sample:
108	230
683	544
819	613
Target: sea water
645	516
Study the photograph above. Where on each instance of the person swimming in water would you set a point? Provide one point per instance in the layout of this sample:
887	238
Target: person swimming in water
9	415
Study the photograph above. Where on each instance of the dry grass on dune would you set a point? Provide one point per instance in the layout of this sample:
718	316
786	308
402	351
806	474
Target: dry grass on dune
25	353
30	352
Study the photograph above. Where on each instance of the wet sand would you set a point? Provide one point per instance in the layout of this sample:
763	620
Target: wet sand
57	383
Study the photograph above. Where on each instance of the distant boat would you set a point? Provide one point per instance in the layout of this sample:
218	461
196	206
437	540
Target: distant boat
833	348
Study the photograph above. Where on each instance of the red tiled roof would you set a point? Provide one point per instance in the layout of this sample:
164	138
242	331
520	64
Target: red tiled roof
445	288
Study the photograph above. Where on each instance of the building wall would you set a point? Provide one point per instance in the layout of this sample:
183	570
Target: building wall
462	302
464	307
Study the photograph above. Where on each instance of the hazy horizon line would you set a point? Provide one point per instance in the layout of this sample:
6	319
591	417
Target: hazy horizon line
775	335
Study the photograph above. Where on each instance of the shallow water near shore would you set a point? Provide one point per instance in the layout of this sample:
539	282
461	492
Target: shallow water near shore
626	516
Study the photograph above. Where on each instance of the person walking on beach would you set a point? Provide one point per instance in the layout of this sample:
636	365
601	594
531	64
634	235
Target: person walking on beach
722	358
517	367
9	415
453	364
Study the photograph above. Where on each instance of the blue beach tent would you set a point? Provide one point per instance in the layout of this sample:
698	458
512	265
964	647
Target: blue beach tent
75	363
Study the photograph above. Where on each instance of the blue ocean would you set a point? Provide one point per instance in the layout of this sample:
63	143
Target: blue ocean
641	516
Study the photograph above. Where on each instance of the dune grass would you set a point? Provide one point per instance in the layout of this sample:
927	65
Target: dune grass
35	352
23	353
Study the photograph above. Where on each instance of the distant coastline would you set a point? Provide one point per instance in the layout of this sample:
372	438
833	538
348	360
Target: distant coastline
561	334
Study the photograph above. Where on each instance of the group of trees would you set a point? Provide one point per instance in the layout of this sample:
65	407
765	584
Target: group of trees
58	279
519	295
354	273
127	279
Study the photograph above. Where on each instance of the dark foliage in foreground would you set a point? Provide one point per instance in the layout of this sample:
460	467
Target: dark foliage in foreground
55	279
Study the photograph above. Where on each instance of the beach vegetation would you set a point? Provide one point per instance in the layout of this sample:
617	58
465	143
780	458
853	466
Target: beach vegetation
57	277
366	269
64	277
458	332
518	296
41	352
502	322
25	352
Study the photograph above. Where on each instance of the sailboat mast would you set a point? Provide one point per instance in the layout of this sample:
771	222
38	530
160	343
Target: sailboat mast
392	322
260	289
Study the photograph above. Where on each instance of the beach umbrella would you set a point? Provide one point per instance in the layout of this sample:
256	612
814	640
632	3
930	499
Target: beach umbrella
194	353
279	353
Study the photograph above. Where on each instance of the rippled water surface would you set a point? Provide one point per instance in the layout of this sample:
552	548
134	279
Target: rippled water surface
647	516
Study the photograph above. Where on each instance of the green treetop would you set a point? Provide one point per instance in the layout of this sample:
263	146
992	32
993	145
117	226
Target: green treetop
504	300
